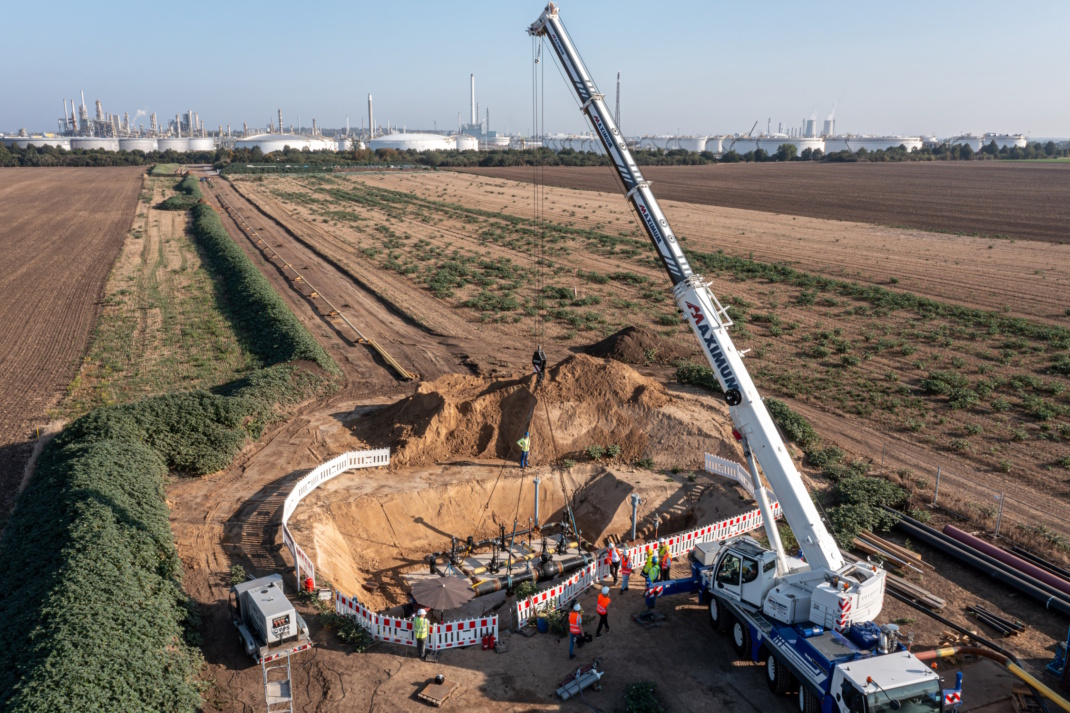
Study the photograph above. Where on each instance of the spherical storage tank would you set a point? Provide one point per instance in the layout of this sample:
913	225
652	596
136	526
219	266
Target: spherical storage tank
25	141
269	143
467	143
173	144
413	142
93	142
141	144
202	143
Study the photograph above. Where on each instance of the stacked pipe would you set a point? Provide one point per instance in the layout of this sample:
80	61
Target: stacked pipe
1008	559
1051	597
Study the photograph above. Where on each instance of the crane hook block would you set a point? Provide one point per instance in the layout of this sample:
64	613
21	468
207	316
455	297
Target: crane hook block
733	397
538	362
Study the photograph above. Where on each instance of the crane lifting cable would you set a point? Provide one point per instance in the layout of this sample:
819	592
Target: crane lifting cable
538	359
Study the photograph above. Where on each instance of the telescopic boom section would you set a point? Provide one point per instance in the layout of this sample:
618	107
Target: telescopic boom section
705	314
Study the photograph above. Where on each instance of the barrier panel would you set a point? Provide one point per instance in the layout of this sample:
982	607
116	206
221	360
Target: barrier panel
319	475
395	630
731	470
680	543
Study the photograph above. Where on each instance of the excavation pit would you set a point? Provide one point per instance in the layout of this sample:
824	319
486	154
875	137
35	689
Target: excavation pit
376	527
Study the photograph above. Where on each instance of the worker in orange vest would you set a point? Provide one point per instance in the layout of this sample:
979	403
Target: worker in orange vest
602	609
625	571
575	629
665	559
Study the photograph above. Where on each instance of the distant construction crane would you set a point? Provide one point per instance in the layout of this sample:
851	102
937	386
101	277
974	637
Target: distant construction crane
745	136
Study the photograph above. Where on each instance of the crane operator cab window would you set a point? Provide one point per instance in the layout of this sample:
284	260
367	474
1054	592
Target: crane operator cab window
728	572
852	698
750	570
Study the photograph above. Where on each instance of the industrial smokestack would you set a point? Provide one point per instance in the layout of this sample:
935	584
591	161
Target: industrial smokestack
474	110
244	129
314	126
178	125
100	111
126	121
280	121
371	119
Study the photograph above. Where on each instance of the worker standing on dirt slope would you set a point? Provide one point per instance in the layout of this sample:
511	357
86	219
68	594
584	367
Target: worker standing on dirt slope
614	562
525	449
665	560
421	628
603	610
625	571
575	629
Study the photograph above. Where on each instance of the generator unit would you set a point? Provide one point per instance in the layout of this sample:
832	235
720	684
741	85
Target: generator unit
267	623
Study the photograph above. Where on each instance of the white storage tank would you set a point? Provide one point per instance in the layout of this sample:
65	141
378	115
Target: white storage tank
715	144
772	143
852	143
173	144
343	143
467	143
688	143
25	141
90	143
1006	140
974	142
413	142
269	143
202	143
138	144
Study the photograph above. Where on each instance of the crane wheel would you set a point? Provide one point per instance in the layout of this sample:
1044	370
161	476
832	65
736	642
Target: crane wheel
808	701
741	640
718	616
777	676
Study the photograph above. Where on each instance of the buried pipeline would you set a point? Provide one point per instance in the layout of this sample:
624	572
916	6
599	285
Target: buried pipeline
542	571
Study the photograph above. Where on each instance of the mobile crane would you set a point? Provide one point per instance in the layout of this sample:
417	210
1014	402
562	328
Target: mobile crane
809	617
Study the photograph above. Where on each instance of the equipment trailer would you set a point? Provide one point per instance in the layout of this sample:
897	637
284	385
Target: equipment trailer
809	617
268	625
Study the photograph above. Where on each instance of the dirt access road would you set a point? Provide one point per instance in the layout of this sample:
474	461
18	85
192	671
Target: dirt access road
1027	201
61	231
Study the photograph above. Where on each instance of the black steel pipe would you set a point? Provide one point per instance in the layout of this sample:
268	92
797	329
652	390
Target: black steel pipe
1047	596
547	570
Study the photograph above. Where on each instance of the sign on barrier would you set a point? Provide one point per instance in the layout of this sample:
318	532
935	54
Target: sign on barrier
680	543
395	630
319	475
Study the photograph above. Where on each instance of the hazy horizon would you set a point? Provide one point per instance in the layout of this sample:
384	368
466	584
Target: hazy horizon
916	69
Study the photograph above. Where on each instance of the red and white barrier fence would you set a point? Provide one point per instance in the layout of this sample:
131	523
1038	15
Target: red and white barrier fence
731	470
680	543
319	475
395	630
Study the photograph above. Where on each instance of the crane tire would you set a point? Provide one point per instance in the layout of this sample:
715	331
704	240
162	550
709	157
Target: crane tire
719	617
741	640
808	701
777	676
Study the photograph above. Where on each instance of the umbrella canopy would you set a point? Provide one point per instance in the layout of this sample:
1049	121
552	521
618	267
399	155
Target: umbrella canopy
442	592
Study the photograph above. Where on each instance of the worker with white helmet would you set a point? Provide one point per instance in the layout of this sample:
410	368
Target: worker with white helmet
614	561
575	629
421	628
603	610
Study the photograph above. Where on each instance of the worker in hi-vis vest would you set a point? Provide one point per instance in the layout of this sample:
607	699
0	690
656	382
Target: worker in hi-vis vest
575	629
525	449
603	611
421	628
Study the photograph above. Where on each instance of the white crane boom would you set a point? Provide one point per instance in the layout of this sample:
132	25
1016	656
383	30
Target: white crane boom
704	313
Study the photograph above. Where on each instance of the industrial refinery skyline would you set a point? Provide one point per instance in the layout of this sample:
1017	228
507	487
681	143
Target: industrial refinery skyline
926	69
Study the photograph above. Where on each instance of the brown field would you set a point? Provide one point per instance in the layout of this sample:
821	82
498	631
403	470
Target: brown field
1028	201
61	231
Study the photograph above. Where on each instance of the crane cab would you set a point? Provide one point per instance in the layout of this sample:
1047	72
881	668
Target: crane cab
745	572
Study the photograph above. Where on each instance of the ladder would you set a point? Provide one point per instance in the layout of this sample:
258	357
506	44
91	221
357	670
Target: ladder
277	691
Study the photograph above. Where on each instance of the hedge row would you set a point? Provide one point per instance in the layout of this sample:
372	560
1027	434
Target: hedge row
190	186
265	325
92	598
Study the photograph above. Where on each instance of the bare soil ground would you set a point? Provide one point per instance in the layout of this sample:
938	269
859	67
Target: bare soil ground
1028	201
232	517
61	231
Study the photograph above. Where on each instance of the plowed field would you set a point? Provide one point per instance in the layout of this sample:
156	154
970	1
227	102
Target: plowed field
1029	201
61	230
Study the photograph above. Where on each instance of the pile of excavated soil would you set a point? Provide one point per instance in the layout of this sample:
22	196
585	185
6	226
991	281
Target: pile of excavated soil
637	345
583	401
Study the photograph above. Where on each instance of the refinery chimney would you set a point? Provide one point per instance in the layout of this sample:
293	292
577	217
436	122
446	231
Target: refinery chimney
280	121
371	119
474	112
178	125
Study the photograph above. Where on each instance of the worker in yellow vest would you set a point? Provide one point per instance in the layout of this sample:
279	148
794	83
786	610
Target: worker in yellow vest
575	629
603	610
525	449
421	627
665	560
650	568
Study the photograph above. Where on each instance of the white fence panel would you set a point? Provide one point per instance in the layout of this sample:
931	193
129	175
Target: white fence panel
395	630
731	470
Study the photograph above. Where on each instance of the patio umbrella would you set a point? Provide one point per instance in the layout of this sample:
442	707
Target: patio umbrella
442	592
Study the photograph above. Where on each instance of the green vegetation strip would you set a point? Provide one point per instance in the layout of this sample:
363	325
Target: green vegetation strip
190	190
96	616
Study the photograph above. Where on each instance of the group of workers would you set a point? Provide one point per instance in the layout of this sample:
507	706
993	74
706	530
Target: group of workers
656	568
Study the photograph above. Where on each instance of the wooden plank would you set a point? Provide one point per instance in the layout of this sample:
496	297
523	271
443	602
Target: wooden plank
437	693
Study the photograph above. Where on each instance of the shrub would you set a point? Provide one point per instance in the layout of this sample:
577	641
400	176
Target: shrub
667	320
859	508
191	186
1060	365
645	463
613	451
237	574
348	630
568	463
594	452
178	203
688	372
794	427
642	698
825	457
944	382
963	398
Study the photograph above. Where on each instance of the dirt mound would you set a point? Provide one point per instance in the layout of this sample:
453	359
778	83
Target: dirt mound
584	401
636	345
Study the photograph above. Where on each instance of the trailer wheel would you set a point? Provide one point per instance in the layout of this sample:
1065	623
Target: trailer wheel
808	701
741	639
718	616
777	676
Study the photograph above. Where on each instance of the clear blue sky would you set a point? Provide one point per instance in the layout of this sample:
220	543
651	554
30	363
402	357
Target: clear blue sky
908	67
